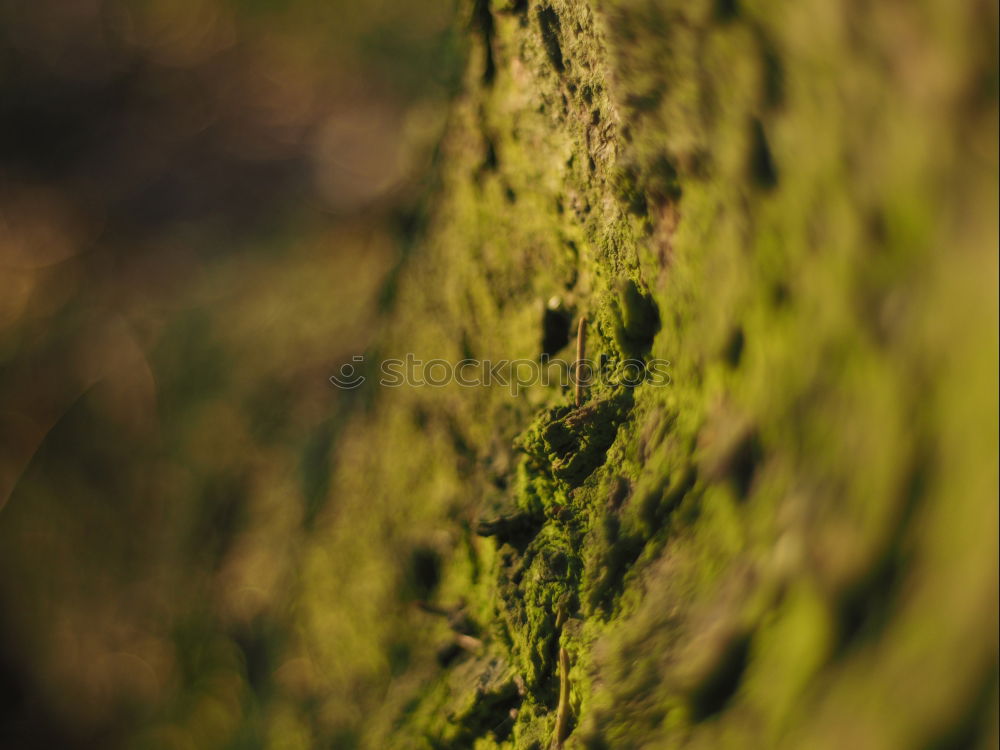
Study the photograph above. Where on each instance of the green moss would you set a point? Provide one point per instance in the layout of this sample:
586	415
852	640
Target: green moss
748	554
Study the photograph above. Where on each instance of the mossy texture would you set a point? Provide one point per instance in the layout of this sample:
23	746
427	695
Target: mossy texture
792	543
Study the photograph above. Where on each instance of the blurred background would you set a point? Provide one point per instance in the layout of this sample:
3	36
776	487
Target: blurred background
201	202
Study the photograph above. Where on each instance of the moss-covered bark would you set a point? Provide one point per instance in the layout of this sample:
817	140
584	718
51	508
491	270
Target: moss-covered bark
792	543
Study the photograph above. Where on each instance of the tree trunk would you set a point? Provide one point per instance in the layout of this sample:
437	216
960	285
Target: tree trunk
784	218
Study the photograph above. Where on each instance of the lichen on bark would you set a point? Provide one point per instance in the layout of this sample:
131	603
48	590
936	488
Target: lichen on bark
790	544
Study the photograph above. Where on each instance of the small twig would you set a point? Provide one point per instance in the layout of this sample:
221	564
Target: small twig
432	609
581	340
562	712
511	716
468	642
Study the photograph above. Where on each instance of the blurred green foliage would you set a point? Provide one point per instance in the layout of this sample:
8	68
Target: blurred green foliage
199	203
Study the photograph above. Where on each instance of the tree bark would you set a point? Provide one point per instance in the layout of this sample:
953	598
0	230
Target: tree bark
792	541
